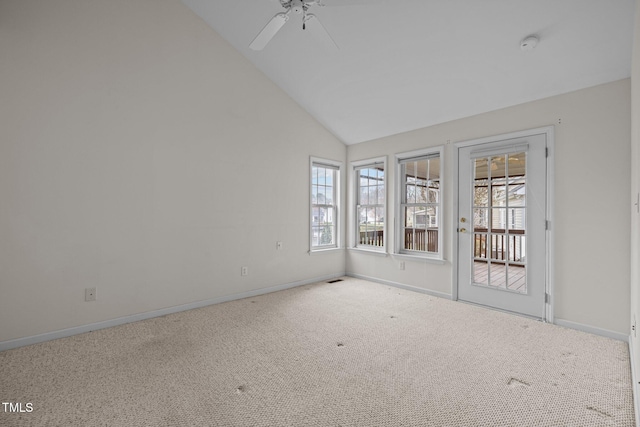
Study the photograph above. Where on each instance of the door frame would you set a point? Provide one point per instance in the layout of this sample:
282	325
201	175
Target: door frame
549	132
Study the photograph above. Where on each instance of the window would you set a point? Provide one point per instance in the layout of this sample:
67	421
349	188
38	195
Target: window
324	204
370	204
420	217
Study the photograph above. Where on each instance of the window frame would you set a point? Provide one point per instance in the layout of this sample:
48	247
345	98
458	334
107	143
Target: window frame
355	167
337	167
402	158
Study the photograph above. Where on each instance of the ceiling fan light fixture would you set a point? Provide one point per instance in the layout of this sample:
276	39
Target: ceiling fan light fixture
300	7
529	43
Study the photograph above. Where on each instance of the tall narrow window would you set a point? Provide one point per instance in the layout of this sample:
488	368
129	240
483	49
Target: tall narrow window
420	225
324	204
370	204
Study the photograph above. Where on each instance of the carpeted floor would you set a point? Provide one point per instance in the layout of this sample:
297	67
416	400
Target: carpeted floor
351	353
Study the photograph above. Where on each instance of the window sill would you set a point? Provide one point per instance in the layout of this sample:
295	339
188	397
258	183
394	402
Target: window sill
324	251
369	251
425	259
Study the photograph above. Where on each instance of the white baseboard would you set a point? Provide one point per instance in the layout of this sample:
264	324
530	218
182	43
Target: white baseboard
634	381
20	342
591	329
560	322
401	285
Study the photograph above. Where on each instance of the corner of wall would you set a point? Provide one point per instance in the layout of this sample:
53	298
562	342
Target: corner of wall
634	349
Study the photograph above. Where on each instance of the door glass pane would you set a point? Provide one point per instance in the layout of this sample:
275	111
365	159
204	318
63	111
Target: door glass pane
498	276
498	219
498	167
498	248
480	219
517	190
516	219
480	169
481	193
481	273
480	246
517	278
499	222
517	249
498	192
517	164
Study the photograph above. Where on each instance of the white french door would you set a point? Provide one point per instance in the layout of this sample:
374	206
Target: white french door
502	224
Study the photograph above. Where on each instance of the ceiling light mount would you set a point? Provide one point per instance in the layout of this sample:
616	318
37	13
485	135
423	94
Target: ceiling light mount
529	43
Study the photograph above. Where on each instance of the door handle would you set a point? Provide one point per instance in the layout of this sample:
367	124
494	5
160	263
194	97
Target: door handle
463	230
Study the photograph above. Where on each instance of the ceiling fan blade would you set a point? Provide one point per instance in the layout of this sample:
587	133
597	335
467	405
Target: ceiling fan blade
269	31
318	30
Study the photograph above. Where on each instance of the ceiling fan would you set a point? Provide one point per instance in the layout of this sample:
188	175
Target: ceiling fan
299	7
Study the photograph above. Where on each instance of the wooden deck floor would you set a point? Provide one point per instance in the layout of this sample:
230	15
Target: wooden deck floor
512	278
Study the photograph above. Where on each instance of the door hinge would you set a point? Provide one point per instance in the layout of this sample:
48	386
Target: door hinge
546	151
547	225
547	298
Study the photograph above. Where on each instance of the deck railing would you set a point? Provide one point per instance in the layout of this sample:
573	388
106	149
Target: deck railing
372	238
415	239
505	245
420	239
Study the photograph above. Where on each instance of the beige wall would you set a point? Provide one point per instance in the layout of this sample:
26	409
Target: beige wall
592	169
141	154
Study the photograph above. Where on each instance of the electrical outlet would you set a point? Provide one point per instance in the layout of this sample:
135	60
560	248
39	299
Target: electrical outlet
90	294
401	265
244	271
278	245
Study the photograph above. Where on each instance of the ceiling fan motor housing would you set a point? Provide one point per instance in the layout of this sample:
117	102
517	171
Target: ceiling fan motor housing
297	6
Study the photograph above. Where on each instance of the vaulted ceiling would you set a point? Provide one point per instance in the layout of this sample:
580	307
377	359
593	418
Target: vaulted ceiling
401	65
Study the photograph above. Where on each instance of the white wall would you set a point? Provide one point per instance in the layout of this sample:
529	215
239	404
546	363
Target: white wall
591	204
141	154
635	191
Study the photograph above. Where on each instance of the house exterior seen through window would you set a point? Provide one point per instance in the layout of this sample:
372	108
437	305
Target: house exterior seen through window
324	204
419	226
370	205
